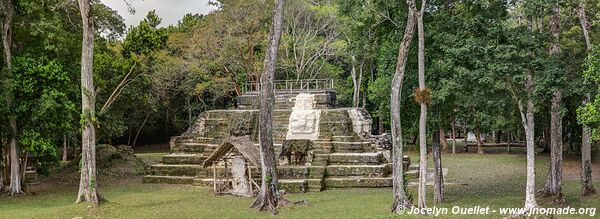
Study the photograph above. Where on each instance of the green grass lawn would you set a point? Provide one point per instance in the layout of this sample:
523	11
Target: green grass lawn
495	180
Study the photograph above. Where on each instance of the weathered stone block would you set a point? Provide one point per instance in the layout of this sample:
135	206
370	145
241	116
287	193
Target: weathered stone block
358	182
358	170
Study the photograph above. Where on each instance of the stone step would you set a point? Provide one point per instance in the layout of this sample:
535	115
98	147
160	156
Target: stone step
193	147
168	179
293	185
351	147
414	166
358	182
292	172
356	158
288	185
175	170
358	170
184	158
412	173
344	138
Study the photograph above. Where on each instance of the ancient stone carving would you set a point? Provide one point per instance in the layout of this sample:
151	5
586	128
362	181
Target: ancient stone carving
240	181
296	152
304	119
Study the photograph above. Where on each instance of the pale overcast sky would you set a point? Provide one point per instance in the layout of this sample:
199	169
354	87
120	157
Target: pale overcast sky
169	10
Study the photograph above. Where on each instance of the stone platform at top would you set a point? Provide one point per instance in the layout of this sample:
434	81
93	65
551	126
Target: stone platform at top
286	92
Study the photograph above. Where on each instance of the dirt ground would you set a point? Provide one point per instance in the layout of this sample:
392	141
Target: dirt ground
572	167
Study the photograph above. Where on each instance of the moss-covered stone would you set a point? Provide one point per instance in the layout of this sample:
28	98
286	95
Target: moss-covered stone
293	186
355	158
183	159
175	170
358	182
292	172
316	172
358	170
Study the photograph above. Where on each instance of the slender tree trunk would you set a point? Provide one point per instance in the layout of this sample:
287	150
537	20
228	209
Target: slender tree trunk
400	200
88	184
442	136
268	197
465	136
528	122
2	161
438	182
478	139
422	203
454	135
530	201
553	186
587	188
510	139
354	83
137	134
65	152
15	173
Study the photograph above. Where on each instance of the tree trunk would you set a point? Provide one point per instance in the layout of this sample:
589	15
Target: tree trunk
478	139
65	152
422	203
137	134
510	139
438	182
587	188
2	159
528	122
553	185
7	17
88	184
530	201
465	136
442	136
354	83
268	197
454	135
400	201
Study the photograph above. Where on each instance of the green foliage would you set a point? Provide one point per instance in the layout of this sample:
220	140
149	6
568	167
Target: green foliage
589	114
146	37
41	148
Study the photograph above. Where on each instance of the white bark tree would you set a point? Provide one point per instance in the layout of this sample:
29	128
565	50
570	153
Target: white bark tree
400	201
526	110
309	37
7	12
88	184
423	97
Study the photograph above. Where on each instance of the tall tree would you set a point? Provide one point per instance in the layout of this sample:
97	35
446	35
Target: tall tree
553	186
587	187
400	201
268	197
88	184
422	97
524	96
438	181
7	20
